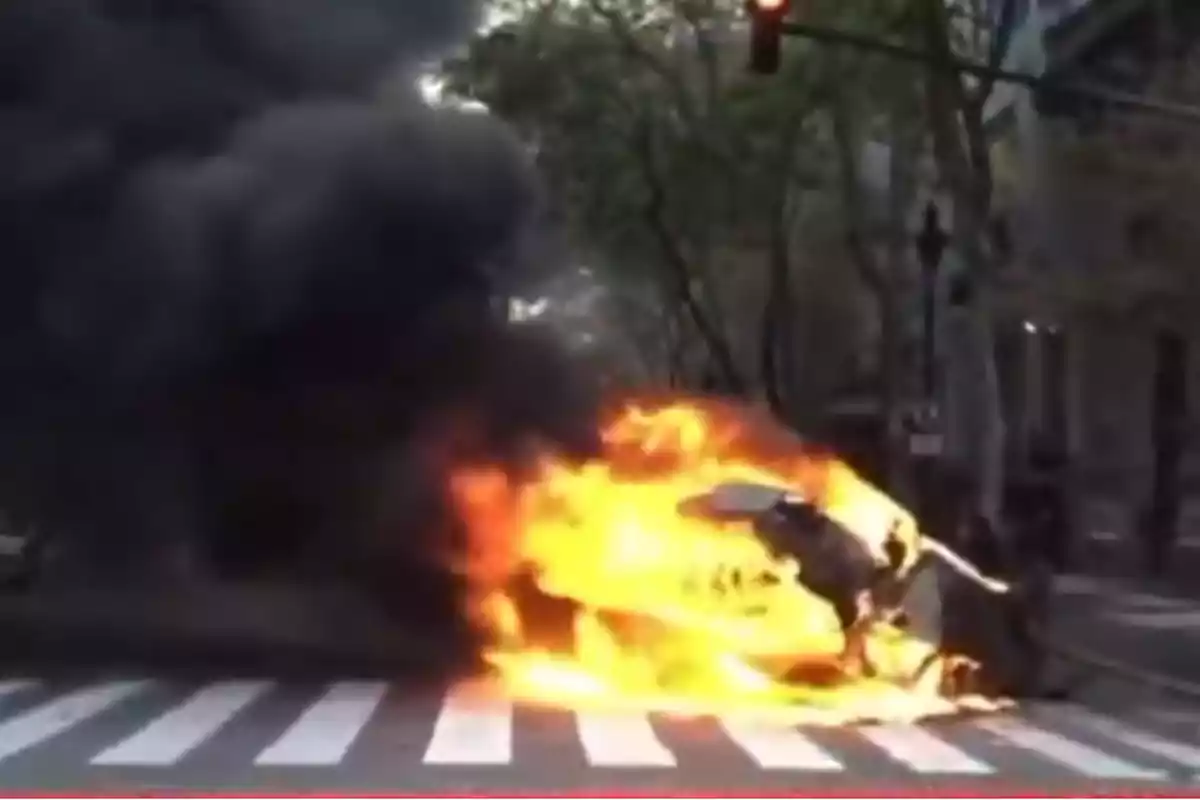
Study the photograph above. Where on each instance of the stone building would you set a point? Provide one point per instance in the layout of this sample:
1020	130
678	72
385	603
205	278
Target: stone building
1075	361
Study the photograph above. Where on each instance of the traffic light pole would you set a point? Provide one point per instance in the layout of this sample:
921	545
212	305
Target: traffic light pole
1112	97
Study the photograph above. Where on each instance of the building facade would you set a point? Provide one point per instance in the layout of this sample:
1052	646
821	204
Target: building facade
1088	375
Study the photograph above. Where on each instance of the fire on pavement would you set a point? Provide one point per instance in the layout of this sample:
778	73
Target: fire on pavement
601	583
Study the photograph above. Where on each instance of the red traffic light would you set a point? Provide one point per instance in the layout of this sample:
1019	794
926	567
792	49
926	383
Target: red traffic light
766	32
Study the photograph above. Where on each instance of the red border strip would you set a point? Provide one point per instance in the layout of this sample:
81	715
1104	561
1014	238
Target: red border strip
708	794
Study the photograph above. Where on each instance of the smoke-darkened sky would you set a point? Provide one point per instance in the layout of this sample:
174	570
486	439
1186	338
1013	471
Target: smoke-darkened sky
236	286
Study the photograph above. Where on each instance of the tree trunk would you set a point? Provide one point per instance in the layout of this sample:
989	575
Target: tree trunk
1168	420
904	144
990	467
961	152
878	278
891	374
775	329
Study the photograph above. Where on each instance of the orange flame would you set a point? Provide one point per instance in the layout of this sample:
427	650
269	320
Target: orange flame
627	600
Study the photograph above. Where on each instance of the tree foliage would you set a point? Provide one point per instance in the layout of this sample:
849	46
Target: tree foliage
695	182
741	207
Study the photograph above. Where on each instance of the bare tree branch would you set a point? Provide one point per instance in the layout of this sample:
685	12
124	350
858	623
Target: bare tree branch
853	202
629	41
775	340
952	114
702	122
695	13
679	269
999	44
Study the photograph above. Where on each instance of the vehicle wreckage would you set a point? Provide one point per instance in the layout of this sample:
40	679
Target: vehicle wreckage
865	588
690	569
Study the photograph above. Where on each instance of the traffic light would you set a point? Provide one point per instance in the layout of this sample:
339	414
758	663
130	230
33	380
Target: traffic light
766	33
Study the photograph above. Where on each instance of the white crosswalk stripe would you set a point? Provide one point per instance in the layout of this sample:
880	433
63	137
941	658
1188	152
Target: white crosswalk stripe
184	728
1076	756
15	686
921	751
473	726
621	740
775	747
48	720
1185	755
327	728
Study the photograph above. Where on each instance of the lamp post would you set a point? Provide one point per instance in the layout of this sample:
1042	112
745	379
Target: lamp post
926	441
931	244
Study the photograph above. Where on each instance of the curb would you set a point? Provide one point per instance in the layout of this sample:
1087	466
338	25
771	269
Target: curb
1111	669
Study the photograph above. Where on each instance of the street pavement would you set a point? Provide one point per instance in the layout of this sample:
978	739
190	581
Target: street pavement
119	733
1123	606
1136	625
1110	606
141	729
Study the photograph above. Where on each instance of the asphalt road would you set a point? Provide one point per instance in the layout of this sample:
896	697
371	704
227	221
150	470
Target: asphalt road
147	729
121	734
1146	628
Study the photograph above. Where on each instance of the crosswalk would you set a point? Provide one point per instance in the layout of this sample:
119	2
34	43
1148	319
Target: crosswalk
150	724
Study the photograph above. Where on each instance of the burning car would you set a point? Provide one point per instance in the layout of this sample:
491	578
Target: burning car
708	560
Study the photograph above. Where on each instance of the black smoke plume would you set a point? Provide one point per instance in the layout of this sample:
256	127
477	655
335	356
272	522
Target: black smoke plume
247	293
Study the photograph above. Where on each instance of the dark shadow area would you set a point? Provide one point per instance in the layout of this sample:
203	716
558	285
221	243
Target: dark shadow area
253	312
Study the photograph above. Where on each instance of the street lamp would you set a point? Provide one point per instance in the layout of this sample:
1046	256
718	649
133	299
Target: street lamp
926	441
931	245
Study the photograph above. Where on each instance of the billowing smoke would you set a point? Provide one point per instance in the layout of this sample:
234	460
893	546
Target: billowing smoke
246	294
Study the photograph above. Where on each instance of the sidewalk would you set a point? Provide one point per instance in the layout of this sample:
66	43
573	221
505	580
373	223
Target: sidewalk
1109	548
1134	626
1109	606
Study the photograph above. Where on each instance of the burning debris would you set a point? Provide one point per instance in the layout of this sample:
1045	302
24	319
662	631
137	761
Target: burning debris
629	579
